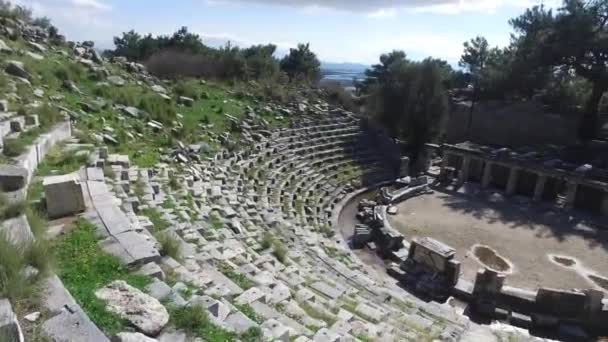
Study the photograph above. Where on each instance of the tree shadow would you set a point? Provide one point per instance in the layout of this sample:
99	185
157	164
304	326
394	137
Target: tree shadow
516	212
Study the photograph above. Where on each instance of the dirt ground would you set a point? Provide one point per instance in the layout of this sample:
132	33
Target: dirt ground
526	235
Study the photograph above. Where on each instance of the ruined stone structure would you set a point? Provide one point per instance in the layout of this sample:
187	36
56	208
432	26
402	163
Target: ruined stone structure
539	176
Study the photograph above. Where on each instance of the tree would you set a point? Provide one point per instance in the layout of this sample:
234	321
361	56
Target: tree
378	73
474	59
302	63
576	39
411	102
260	61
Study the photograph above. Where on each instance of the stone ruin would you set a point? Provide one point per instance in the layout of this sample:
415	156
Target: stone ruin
429	268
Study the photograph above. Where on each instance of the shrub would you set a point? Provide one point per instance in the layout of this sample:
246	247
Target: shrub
68	72
279	251
13	147
12	210
14	258
108	172
267	240
183	88
13	282
158	108
169	245
48	116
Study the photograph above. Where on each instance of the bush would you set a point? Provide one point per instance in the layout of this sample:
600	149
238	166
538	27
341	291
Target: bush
14	259
187	89
69	72
169	245
48	116
158	108
279	251
267	240
13	147
13	282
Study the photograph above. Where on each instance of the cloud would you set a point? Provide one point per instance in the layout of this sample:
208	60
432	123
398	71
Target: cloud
389	8
92	4
81	19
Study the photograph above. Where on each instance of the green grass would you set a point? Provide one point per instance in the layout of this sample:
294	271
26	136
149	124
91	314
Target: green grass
240	279
195	321
169	245
10	210
14	284
14	147
317	314
84	267
248	311
61	162
155	217
216	222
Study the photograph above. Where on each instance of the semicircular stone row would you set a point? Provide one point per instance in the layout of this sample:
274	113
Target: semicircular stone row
258	227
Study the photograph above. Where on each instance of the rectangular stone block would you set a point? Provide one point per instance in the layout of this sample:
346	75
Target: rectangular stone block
63	195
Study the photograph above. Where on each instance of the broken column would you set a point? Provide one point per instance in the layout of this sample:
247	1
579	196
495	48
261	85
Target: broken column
464	169
571	189
604	205
63	195
539	188
487	175
404	167
512	182
486	290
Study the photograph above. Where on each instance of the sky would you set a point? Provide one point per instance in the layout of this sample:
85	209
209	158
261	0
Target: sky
355	31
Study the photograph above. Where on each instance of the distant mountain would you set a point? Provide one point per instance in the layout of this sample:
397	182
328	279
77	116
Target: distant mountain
343	73
349	67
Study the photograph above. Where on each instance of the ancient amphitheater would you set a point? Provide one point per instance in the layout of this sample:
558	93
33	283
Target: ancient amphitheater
281	236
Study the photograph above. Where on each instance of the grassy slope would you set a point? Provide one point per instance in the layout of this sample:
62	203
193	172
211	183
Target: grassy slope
84	268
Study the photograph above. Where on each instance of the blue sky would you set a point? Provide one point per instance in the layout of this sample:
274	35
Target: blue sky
338	30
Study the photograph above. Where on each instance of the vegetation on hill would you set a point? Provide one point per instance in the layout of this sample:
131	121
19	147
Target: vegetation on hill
185	54
560	55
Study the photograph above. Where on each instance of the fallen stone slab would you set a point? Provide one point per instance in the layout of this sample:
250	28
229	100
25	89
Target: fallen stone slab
143	311
71	325
10	331
63	195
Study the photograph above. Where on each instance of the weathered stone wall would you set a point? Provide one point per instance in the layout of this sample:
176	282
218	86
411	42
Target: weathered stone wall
525	123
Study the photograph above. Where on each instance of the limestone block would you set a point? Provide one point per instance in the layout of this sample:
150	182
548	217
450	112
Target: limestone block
12	178
10	331
63	195
143	311
71	325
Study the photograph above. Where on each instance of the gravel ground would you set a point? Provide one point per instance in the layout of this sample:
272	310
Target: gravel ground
526	235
